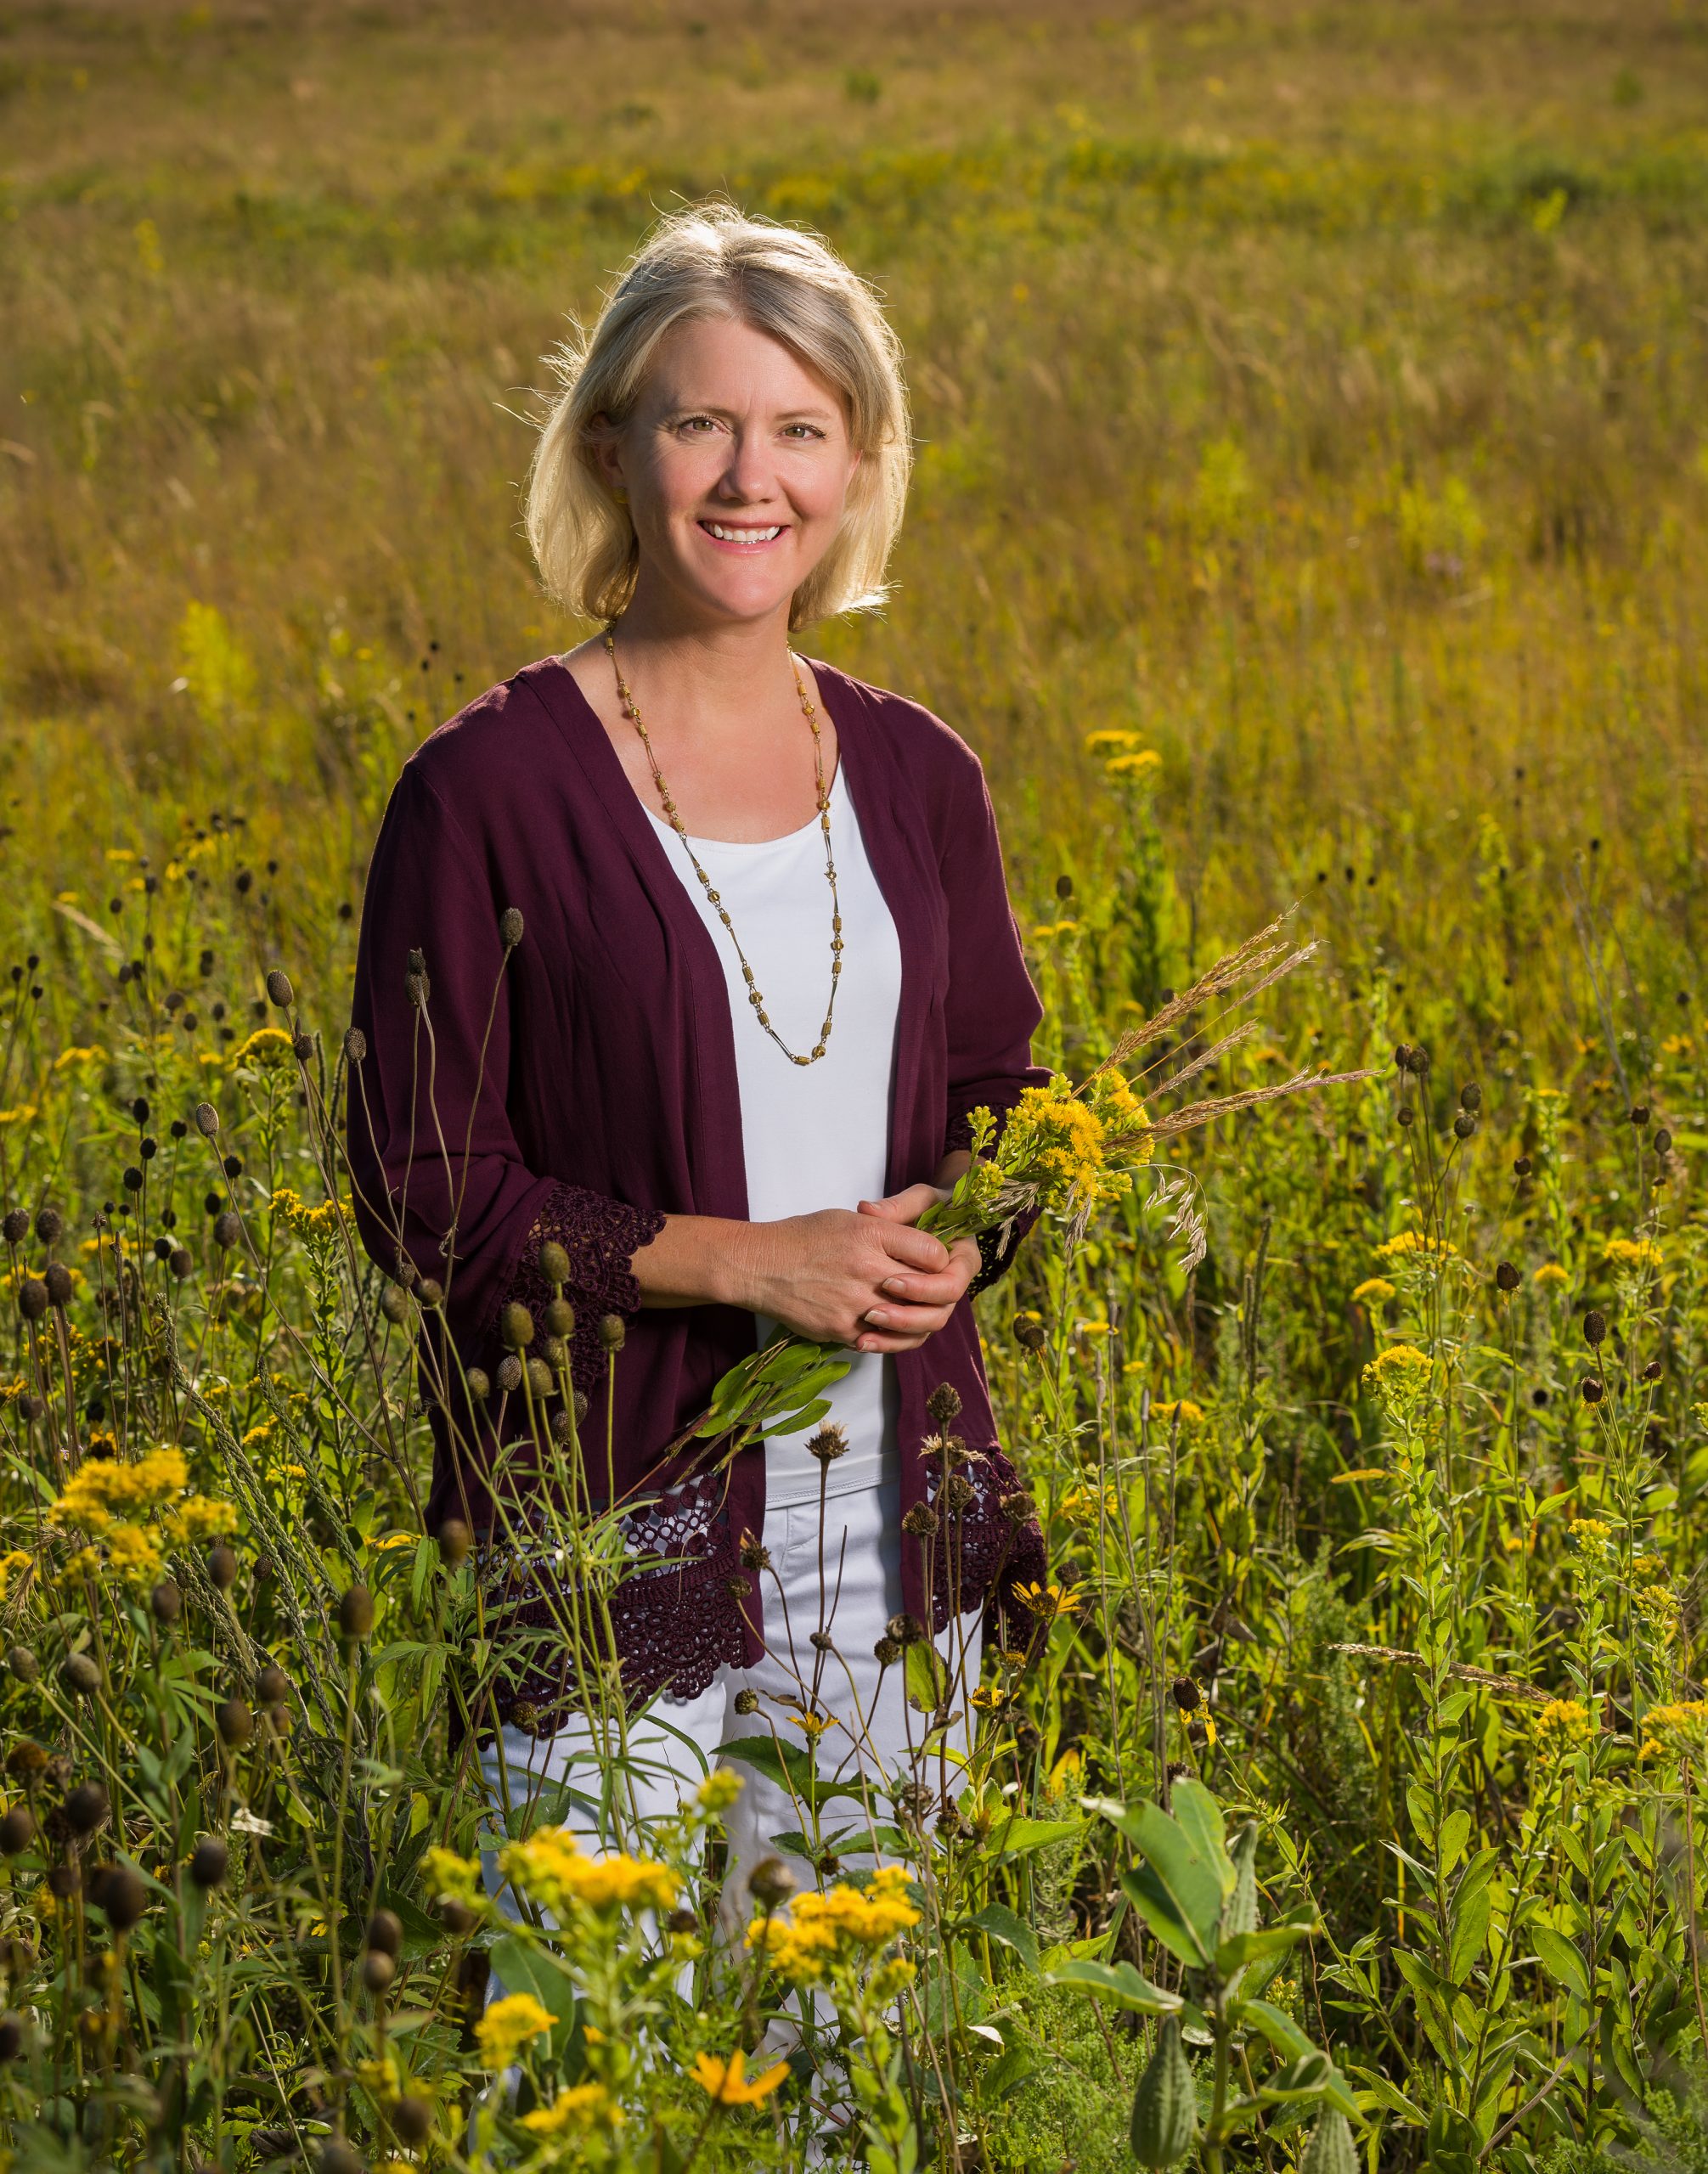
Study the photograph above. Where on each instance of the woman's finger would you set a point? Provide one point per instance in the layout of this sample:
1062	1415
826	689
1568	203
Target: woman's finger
918	1321
906	1206
944	1290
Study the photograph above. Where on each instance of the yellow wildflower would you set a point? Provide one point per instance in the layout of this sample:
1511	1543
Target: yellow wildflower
1046	1602
1591	1537
94	1054
508	2026
1181	1407
1110	743
719	1790
1373	1290
21	1115
16	1559
812	1726
131	1554
1081	1504
450	1877
822	1930
1550	1277
552	1867
267	1045
1562	1725
1401	1371
1638	1254
1415	1245
201	1520
1678	1731
582	2106
101	1489
1138	764
724	2082
1658	1605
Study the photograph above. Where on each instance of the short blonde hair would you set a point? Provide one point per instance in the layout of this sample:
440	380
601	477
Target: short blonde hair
710	260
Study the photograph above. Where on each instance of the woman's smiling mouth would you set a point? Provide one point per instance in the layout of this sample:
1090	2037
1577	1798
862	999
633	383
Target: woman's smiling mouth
743	538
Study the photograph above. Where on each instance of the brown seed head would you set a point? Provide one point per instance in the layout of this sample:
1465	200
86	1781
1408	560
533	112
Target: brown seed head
16	1226
279	992
206	1119
123	1897
943	1404
516	1325
356	1613
355	1046
921	1521
456	1540
378	1971
235	1721
221	1566
828	1443
23	1663
1594	1327
1185	1694
613	1331
166	1600
412	2120
87	1807
227	1229
386	1932
509	927
1593	1391
81	1674
1028	1333
553	1262
747	1702
1505	1276
209	1862
32	1299
770	1883
509	1373
57	1277
17	1830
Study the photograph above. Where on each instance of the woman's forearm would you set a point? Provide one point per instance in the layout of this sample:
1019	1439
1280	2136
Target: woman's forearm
696	1260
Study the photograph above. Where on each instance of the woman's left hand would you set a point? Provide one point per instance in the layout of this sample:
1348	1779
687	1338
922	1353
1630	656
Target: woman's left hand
922	1303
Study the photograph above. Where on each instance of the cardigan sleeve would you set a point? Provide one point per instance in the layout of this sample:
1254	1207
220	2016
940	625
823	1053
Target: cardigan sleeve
993	1009
440	1180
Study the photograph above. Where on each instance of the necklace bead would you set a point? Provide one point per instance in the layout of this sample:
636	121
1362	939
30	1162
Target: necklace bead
755	997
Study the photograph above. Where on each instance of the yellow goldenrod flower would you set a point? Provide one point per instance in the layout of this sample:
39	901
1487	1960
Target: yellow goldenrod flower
1677	1732
1189	1413
1110	743
508	2026
1550	1277
724	2082
822	1930
16	1559
132	1555
66	1058
582	2106
1373	1290
267	1045
21	1115
1658	1607
552	1867
1401	1368
1417	1245
1561	1725
719	1789
1639	1254
102	1490
451	1877
1138	764
201	1520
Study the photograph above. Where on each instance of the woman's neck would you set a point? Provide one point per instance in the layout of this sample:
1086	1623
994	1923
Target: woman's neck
716	673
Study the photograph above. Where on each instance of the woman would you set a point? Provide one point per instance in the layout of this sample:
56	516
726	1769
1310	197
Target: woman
764	971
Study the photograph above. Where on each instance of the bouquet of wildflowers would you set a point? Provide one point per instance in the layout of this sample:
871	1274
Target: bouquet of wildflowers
1065	1152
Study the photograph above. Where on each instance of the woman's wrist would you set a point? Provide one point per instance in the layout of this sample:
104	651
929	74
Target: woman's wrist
697	1260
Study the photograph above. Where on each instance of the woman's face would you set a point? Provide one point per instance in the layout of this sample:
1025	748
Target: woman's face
737	461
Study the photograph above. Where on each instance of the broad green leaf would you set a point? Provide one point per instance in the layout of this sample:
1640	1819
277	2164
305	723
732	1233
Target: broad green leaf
1469	1920
1561	1960
1160	1912
1001	1924
1199	1816
1455	1830
1306	2076
522	1967
1116	1982
925	1675
1267	1940
790	1766
1013	1837
1192	1882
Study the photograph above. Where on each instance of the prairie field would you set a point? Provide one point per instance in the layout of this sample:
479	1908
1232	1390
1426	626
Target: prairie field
1311	513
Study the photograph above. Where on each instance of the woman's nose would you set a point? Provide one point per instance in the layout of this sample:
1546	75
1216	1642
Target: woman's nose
747	473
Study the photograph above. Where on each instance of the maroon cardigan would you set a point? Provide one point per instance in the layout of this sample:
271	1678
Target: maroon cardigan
608	1098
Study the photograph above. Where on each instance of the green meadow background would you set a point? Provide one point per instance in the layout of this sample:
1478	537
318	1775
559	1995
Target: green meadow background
1316	391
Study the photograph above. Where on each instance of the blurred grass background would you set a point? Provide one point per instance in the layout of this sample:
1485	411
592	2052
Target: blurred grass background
1316	391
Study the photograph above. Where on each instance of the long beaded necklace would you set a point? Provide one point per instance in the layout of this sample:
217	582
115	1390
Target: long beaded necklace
755	996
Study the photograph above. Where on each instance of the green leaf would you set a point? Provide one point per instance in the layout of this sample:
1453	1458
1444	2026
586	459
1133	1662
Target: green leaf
1305	2077
1561	1961
1001	1924
1116	1982
1013	1837
796	1422
1192	1882
1470	1919
1278	2027
1160	1912
523	1967
1455	1830
926	1675
1268	1940
1198	1815
790	1766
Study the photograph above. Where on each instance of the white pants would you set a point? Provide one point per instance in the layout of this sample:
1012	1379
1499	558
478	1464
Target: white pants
845	1590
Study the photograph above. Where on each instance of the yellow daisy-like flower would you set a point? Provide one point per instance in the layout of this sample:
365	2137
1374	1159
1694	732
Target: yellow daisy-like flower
266	1046
1110	743
16	1559
1181	1407
1046	1602
1138	764
508	2026
1550	1277
725	2083
1638	1254
1373	1290
94	1054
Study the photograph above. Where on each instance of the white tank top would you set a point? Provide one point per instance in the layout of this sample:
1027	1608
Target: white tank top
813	1136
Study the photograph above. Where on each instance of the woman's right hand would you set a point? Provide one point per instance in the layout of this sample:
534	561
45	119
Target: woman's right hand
819	1274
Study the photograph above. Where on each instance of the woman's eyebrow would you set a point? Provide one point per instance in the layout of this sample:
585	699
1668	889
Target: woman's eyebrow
711	407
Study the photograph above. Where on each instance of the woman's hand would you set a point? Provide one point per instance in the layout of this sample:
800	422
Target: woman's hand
868	1279
918	1304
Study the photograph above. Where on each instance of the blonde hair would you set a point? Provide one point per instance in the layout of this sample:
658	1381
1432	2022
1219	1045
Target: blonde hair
710	260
